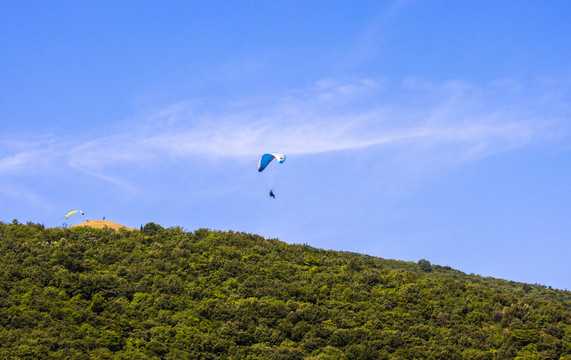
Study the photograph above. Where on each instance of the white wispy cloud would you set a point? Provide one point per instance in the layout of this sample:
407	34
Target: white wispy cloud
452	121
332	116
29	153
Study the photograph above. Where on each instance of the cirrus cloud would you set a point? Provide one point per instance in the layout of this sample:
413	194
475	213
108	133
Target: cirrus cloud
452	122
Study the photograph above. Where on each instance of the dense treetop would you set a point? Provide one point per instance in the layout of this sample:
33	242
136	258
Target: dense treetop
156	293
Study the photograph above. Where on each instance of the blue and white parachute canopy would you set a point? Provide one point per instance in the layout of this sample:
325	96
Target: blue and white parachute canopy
267	158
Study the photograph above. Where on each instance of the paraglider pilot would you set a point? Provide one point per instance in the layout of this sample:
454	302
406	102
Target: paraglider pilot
272	193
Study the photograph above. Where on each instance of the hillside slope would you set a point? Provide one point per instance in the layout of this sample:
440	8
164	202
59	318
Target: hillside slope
81	293
102	224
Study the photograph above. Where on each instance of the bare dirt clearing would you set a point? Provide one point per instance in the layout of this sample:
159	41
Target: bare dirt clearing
101	224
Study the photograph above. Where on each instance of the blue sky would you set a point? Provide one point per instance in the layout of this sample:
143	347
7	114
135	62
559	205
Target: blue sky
413	129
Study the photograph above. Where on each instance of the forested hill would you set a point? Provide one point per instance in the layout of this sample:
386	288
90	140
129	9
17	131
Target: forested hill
155	293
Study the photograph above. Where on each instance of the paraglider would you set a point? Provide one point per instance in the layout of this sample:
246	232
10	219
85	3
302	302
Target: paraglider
264	162
73	212
267	158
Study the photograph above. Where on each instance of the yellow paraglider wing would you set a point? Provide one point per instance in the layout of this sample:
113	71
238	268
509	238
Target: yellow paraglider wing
73	212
